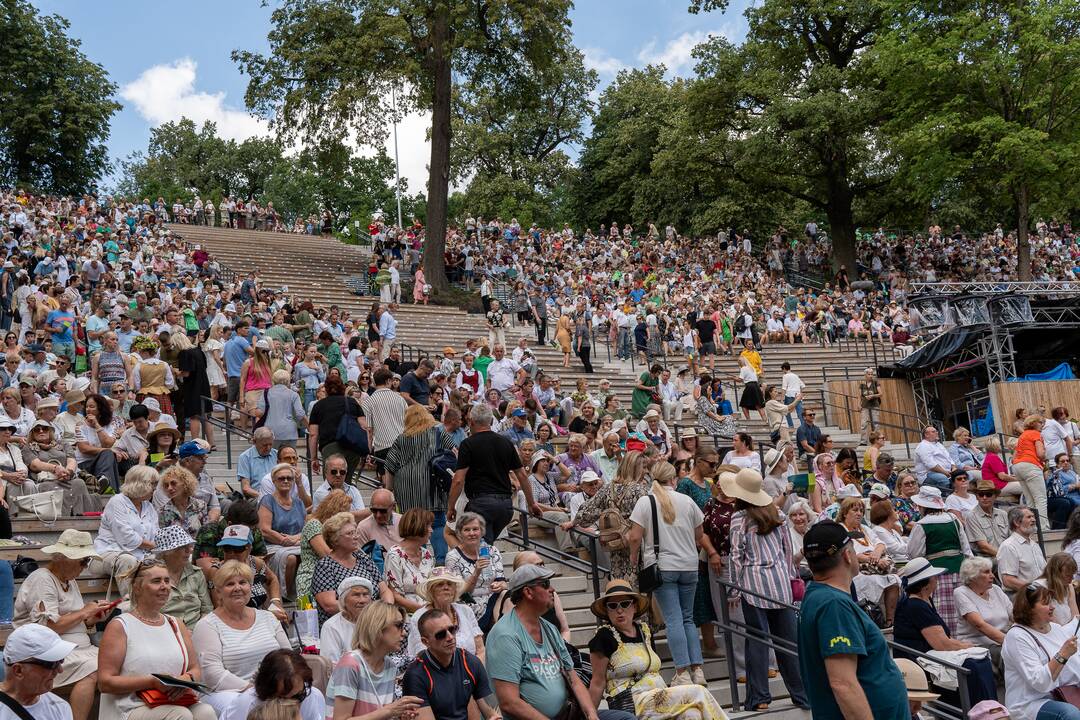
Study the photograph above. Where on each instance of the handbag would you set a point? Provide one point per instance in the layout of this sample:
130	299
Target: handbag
649	578
798	589
350	434
153	697
46	506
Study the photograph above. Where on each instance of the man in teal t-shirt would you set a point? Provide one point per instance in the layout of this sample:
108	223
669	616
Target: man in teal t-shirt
839	646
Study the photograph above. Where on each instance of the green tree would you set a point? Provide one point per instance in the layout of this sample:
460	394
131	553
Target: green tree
987	96
802	99
332	64
510	137
617	157
55	104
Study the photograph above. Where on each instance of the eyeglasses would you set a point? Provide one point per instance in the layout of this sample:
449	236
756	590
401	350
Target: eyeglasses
302	695
546	584
618	605
446	632
375	510
148	562
50	666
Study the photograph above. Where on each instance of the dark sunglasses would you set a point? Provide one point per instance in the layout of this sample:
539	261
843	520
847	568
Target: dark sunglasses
337	472
986	493
446	632
379	510
50	666
542	584
302	695
618	604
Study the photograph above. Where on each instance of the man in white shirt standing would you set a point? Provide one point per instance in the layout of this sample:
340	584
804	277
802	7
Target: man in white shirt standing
793	385
501	370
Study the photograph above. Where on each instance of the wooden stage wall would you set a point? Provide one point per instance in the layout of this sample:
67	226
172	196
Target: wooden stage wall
1006	397
896	413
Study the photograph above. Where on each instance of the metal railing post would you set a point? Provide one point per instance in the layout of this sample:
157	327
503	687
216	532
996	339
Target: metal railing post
729	646
524	517
824	408
228	438
847	410
595	567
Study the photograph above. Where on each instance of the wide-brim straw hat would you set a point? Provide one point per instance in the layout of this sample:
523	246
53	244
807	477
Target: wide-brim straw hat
441	575
72	544
619	588
165	428
746	485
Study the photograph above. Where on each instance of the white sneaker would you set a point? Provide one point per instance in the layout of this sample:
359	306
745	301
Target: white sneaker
698	676
682	677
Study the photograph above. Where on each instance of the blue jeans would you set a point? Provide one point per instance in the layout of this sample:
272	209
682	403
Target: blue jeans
438	540
7	592
676	598
798	410
940	481
625	344
775	623
1056	710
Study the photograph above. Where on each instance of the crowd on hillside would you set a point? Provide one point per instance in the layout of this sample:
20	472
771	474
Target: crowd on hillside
290	593
230	212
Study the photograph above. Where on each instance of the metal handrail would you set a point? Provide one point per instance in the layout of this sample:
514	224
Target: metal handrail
731	627
593	568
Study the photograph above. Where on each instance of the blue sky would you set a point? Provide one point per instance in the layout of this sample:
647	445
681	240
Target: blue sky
172	60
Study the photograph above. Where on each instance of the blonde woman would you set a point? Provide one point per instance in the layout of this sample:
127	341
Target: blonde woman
678	565
255	377
368	667
623	494
144	641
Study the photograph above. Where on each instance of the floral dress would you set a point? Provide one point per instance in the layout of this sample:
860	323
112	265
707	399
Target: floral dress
703	606
634	665
403	577
907	513
623	496
308	558
193	517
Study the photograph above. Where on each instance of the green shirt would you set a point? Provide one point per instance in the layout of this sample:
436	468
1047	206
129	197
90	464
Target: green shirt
280	334
190	599
480	365
642	398
830	624
513	656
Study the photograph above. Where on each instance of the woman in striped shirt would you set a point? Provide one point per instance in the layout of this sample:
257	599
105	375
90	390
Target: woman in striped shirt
761	563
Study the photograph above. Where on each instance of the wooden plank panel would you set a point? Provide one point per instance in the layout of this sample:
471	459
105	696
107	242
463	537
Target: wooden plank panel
896	413
1008	396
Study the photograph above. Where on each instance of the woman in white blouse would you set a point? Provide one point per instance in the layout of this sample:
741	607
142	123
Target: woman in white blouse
1039	656
128	524
985	610
886	526
14	475
1058	577
231	641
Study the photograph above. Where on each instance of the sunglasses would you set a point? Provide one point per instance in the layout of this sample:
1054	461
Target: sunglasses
303	694
618	605
379	510
148	562
50	666
986	493
337	472
546	584
446	632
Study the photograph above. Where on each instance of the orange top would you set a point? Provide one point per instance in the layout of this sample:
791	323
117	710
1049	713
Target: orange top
1025	448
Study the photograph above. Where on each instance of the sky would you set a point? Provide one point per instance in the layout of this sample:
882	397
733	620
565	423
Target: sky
171	61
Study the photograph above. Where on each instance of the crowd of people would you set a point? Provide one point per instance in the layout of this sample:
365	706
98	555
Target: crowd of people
281	594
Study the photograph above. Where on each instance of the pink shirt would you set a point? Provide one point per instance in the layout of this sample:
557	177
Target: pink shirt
992	465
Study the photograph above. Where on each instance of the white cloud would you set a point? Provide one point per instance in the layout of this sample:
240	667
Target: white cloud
601	62
676	54
165	93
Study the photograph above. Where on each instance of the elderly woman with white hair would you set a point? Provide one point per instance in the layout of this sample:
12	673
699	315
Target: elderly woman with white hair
335	638
129	523
800	517
984	608
283	409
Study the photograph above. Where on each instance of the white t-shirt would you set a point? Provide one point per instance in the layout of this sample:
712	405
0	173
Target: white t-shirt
1054	435
997	611
792	384
313	707
955	502
48	707
335	638
678	541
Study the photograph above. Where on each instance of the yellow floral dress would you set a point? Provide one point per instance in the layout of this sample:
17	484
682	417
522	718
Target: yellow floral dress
633	664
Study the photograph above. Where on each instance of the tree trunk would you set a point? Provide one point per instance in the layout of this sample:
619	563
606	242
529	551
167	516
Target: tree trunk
1023	244
439	169
842	233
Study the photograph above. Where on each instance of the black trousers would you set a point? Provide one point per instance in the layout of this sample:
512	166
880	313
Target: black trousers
583	353
541	331
496	511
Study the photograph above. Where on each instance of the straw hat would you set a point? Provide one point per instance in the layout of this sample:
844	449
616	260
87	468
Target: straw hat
618	588
72	544
164	428
918	689
441	575
746	486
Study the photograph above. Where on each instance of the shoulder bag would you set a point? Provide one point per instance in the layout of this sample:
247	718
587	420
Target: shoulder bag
572	710
154	697
649	578
1064	693
349	432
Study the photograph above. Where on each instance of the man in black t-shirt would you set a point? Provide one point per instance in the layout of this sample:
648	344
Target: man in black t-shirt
485	461
706	337
323	425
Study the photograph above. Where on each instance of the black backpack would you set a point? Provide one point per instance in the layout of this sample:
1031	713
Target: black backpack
442	466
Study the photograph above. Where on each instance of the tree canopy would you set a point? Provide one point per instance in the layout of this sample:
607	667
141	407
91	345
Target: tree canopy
55	104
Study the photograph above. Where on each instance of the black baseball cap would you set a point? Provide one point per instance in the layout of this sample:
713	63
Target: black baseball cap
825	539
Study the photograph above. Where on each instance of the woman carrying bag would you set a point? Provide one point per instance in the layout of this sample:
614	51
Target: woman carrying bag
672	559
